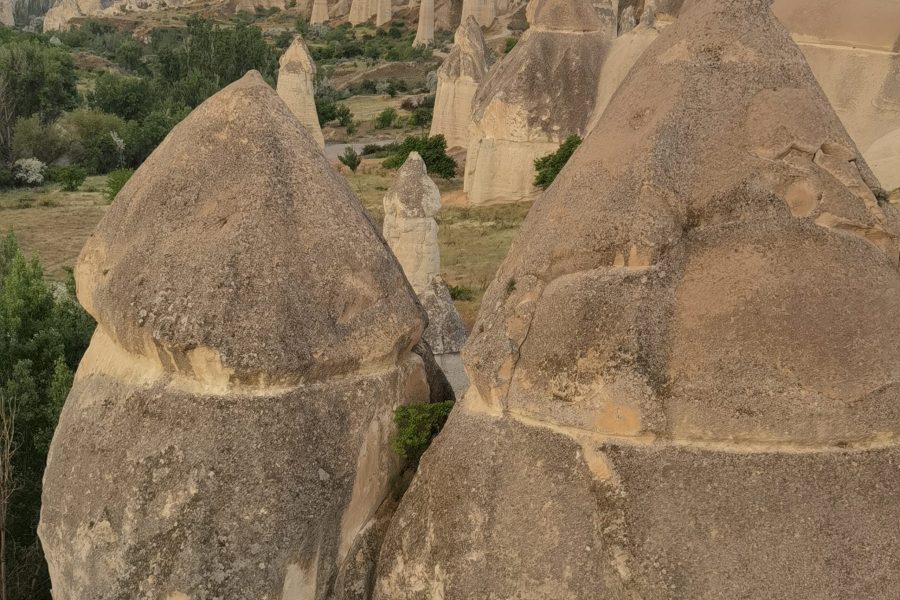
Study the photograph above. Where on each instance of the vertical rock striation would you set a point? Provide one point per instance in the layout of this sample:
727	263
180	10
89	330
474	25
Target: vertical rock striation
686	374
412	234
319	12
484	11
540	93
458	79
226	434
296	86
425	27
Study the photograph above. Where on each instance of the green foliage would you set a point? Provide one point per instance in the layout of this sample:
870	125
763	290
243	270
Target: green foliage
433	151
351	158
97	141
510	44
69	178
548	167
386	118
43	335
126	97
417	425
33	138
421	117
344	116
461	293
143	136
115	181
35	79
346	42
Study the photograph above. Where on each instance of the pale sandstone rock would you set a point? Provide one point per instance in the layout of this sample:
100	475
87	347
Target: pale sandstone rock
447	14
853	49
296	86
458	79
540	93
410	206
412	234
6	12
686	374
425	26
227	432
319	12
484	11
362	10
383	11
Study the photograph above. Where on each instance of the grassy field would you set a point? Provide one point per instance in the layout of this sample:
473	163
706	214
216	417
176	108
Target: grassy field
54	224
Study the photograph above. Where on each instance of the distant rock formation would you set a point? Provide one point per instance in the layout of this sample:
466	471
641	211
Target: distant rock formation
425	26
540	93
410	206
458	79
296	86
227	432
853	49
484	11
383	12
319	12
447	14
686	374
7	8
362	11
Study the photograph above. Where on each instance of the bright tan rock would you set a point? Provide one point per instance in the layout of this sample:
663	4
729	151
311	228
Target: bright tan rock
686	374
853	49
227	432
383	12
296	86
6	13
540	93
425	26
484	11
319	12
362	10
458	79
410	206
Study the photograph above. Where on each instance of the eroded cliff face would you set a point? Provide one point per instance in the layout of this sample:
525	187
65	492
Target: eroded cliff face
6	13
296	86
686	374
853	49
458	79
227	432
540	93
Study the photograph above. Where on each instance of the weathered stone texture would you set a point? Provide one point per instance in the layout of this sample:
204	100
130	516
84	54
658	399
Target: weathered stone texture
227	432
296	86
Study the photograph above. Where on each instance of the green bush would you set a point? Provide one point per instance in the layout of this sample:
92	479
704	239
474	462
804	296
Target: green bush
350	158
126	97
548	167
44	334
32	138
115	181
69	178
460	292
421	117
510	44
417	425
386	118
343	115
97	139
433	151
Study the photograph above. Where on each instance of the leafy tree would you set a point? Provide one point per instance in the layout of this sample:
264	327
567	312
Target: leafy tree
34	80
351	158
417	425
43	335
386	118
548	167
32	138
126	97
97	139
421	117
70	178
142	137
433	151
115	181
343	115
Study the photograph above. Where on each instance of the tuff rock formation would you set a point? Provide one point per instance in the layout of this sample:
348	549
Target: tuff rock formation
383	11
458	79
226	434
410	206
484	11
362	10
425	26
296	86
853	49
447	14
319	12
686	374
6	13
540	93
